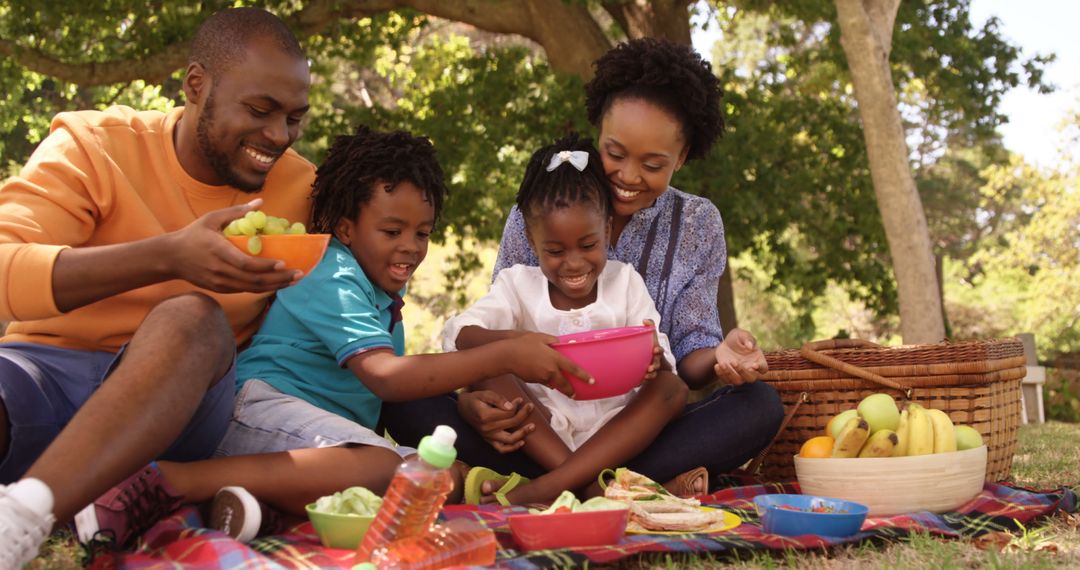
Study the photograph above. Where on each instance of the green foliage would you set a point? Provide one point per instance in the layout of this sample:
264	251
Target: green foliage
1026	275
1061	394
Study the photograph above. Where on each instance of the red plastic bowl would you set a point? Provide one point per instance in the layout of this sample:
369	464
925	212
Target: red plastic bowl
617	358
566	530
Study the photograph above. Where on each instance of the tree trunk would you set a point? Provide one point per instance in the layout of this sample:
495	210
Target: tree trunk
866	35
668	19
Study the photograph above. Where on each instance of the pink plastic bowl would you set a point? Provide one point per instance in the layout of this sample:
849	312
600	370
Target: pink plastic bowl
617	359
566	530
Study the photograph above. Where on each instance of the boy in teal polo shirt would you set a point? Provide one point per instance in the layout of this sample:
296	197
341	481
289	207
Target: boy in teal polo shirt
312	330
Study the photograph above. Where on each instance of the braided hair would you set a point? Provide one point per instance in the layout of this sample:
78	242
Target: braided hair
542	191
347	178
669	75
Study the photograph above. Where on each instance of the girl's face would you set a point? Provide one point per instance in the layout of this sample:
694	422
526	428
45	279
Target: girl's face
642	146
571	244
389	237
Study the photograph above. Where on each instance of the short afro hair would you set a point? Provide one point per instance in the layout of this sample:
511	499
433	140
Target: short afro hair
346	179
669	75
222	39
543	191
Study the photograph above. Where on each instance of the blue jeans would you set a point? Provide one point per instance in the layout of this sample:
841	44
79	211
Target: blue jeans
720	433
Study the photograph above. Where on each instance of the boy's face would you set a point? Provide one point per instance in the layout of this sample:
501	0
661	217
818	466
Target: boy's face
389	237
571	244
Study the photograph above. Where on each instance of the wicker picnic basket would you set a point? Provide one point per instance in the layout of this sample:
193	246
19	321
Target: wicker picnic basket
976	382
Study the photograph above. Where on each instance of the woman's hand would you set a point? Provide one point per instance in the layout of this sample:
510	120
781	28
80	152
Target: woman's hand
739	360
499	421
658	363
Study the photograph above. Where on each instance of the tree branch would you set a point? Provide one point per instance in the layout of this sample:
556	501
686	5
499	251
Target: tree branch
568	33
153	68
667	19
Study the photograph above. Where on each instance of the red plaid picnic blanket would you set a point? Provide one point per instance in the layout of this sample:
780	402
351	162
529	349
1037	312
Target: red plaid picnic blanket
179	540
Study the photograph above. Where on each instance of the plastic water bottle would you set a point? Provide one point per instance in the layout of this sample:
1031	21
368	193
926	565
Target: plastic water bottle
460	542
416	493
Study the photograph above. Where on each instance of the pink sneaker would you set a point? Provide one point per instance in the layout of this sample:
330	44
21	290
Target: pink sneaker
128	509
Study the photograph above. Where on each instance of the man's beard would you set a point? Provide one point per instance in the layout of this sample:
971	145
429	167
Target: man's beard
219	161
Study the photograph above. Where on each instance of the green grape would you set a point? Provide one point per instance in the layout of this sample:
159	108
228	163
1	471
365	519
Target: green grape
275	227
254	245
257	219
245	226
232	229
256	223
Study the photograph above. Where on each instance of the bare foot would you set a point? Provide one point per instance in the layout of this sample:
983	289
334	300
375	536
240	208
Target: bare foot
458	471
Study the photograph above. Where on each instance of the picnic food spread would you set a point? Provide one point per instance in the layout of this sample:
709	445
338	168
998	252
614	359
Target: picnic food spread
878	428
652	507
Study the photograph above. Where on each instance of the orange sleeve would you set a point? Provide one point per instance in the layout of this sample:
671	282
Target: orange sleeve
48	207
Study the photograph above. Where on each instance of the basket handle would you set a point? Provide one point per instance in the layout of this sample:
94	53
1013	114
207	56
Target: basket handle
752	469
810	352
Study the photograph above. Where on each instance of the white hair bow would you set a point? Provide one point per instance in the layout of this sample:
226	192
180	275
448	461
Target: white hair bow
578	158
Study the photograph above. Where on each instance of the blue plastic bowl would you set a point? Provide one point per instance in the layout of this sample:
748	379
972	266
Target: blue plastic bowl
844	518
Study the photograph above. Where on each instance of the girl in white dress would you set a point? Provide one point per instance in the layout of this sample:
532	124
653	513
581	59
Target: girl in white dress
566	202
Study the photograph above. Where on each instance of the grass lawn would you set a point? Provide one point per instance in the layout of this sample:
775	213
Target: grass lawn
1048	457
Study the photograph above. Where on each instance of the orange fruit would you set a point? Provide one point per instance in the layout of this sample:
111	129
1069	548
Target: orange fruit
820	446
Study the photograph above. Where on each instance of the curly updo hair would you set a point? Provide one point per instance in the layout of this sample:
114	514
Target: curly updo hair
347	178
542	191
669	75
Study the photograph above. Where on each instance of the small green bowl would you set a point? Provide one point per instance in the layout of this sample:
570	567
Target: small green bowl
339	531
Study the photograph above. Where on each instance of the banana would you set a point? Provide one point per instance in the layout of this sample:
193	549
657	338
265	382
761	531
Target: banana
944	432
881	444
851	438
902	435
920	431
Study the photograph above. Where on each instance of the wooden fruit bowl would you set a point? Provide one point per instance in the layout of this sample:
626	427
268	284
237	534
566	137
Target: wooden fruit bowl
893	485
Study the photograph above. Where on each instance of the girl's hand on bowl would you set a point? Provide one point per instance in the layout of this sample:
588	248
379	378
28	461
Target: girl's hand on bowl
739	359
501	422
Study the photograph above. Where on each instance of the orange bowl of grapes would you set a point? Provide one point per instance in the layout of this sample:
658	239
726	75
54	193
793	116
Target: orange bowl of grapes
275	238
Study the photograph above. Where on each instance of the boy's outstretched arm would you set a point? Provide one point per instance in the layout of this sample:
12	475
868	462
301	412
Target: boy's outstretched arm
473	336
401	378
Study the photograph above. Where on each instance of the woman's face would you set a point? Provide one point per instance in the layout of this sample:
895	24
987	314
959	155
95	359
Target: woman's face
642	146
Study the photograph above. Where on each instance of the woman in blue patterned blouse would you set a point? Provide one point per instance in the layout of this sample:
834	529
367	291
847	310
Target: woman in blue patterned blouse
656	105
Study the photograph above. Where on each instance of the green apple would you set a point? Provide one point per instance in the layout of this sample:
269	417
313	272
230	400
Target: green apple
880	411
838	422
967	437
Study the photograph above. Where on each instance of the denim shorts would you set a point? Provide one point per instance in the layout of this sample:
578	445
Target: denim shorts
266	421
43	386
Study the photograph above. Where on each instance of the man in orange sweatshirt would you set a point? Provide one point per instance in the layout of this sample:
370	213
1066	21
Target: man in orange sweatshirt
127	301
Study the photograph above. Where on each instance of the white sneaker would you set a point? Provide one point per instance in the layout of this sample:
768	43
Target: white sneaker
22	530
237	513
